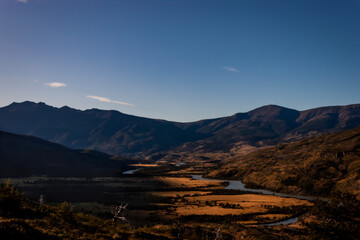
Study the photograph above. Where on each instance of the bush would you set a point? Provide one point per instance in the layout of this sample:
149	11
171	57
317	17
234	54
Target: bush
10	198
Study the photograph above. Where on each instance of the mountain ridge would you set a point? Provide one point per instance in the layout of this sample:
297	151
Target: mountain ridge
24	156
114	132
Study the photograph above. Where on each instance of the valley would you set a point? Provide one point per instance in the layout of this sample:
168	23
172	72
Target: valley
173	197
179	120
283	188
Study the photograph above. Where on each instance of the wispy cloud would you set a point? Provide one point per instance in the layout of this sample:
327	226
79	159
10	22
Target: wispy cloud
55	84
104	99
22	1
230	69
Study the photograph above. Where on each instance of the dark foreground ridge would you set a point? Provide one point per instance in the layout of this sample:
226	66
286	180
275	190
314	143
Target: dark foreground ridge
23	156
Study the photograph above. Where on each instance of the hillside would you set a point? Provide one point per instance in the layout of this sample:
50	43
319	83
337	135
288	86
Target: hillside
316	166
22	156
270	125
117	133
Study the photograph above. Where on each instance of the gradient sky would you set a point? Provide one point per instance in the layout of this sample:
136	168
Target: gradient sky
180	60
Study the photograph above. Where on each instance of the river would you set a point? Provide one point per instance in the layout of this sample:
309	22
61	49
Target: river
238	185
131	171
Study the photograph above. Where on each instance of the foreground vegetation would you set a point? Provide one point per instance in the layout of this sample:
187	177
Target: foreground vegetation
24	219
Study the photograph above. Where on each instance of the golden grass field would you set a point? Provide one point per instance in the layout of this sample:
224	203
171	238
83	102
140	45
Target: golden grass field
144	165
184	182
251	200
183	210
244	204
200	200
179	193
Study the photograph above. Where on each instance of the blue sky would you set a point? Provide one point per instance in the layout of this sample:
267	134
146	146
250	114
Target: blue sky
180	60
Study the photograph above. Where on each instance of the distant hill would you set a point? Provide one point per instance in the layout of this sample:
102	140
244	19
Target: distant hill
117	133
22	156
107	131
270	125
315	166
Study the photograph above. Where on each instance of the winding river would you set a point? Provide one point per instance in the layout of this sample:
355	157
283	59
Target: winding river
238	185
131	171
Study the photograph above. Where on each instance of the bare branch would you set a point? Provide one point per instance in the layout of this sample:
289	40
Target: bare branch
117	210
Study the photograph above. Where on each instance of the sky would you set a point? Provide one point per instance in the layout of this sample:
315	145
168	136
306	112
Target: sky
180	60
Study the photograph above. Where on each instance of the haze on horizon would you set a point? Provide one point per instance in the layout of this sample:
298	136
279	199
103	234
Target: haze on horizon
180	60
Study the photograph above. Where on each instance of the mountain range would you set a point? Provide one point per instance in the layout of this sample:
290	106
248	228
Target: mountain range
117	133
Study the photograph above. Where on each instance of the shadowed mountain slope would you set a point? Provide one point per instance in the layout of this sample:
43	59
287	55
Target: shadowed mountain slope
22	156
107	131
315	166
117	133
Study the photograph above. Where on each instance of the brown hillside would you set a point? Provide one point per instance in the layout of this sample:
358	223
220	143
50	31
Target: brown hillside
316	166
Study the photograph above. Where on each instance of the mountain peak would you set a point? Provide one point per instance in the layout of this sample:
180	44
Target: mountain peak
22	103
272	112
270	107
28	104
